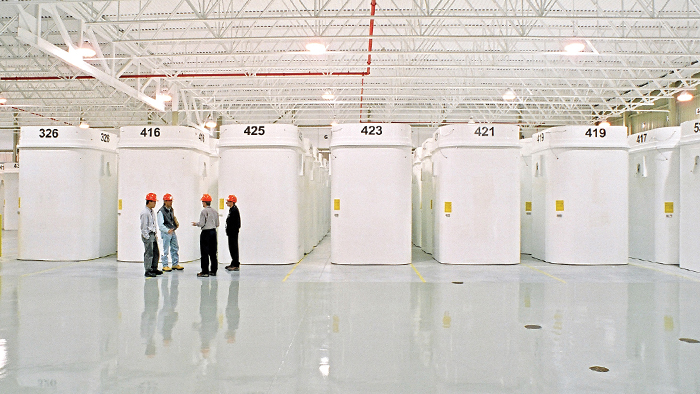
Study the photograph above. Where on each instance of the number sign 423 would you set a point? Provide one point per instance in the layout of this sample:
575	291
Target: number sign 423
371	130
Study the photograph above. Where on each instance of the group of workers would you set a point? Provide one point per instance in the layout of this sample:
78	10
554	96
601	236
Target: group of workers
167	223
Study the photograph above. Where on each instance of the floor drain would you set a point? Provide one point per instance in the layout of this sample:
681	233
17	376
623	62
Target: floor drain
599	369
689	340
533	327
458	283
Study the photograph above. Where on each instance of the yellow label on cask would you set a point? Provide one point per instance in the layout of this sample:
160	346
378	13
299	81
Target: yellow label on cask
560	205
668	207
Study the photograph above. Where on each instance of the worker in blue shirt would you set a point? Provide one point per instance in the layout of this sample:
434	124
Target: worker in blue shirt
167	223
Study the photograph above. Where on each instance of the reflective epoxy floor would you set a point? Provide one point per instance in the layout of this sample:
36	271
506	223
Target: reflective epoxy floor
101	327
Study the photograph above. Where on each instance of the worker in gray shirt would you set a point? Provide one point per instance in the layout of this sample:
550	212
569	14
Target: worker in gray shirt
151	254
208	222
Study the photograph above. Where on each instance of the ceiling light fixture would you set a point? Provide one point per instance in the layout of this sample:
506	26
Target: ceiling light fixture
509	95
164	96
3	100
210	123
328	95
83	123
316	48
684	96
604	123
574	47
85	50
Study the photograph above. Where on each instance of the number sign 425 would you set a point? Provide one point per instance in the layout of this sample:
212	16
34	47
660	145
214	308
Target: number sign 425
254	130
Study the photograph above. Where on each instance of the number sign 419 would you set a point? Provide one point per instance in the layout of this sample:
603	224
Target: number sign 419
595	132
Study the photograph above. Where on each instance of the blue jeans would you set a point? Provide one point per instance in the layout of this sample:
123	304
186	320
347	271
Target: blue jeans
171	247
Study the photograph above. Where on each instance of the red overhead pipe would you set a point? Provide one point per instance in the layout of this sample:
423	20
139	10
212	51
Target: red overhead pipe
40	115
213	75
369	55
371	33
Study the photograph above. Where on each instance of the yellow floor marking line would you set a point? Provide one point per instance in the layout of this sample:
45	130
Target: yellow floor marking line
417	273
51	269
665	272
293	268
542	272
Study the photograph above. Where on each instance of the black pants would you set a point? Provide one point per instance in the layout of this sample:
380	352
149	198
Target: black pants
151	254
233	248
207	244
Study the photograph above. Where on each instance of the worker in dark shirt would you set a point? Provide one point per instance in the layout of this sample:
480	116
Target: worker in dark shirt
233	224
208	222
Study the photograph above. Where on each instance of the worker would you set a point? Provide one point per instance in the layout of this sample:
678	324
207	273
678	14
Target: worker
208	222
148	236
233	225
167	223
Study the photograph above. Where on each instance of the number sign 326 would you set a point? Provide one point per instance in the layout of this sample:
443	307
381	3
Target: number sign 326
48	133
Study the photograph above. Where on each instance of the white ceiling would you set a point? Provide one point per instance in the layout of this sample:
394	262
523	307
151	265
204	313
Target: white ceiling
430	62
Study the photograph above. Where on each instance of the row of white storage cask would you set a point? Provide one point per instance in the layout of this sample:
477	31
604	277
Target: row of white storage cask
81	191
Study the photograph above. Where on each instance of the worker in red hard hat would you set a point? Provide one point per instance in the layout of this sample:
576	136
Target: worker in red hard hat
208	222
233	225
167	224
151	253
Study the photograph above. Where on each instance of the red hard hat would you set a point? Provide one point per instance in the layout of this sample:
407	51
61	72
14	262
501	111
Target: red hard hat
232	198
167	197
206	197
151	197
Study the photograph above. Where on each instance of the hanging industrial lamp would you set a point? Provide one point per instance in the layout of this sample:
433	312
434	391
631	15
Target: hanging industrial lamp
684	96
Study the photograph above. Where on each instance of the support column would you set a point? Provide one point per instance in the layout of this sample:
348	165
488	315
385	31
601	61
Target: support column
15	137
673	115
